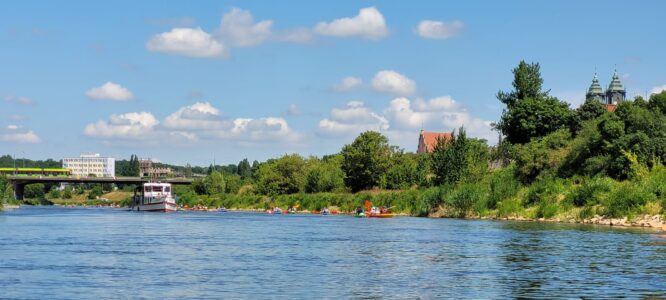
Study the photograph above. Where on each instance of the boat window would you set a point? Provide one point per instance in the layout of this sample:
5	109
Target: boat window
157	189
167	189
147	188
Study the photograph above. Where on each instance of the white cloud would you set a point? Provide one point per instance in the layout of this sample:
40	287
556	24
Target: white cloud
347	84
18	100
199	116
126	126
658	89
12	127
110	91
190	124
28	137
368	24
352	119
238	29
389	81
430	29
192	42
437	114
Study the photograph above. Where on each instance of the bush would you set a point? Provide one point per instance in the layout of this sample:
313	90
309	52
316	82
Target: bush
67	193
95	192
627	200
546	189
509	207
465	196
547	209
502	185
590	191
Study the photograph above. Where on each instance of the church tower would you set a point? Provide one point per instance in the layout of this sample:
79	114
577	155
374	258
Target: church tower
595	92
615	93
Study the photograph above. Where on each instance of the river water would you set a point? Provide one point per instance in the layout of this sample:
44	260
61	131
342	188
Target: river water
52	252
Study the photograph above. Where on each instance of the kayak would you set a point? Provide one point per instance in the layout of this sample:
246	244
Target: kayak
383	216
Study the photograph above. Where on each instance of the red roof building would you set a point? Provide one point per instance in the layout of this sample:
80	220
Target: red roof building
611	107
428	140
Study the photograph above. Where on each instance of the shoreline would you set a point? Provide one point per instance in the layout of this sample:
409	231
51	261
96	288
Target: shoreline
656	222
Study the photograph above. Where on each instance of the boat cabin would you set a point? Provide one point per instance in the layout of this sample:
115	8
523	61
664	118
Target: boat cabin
151	193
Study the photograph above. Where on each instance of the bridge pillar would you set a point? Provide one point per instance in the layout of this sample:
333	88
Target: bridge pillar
19	190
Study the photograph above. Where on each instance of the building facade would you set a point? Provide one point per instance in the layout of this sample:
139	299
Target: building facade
147	169
90	165
614	94
428	140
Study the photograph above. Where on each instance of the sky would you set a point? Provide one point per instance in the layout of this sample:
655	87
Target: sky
202	81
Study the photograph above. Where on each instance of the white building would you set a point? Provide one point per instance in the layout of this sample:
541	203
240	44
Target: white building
91	164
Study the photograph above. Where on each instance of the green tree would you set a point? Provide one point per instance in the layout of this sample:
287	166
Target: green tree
530	112
450	159
233	183
244	169
214	183
324	175
95	192
34	191
527	83
402	172
658	102
54	193
589	110
365	160
67	193
285	175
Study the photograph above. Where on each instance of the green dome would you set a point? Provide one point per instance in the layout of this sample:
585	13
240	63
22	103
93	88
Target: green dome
595	88
615	85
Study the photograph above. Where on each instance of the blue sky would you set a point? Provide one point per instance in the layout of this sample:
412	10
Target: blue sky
189	82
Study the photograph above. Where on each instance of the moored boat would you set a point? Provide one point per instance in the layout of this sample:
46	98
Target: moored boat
153	196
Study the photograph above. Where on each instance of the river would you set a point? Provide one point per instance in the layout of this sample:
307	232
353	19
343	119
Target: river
65	253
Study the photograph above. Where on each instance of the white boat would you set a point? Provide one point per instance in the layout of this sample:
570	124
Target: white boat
154	196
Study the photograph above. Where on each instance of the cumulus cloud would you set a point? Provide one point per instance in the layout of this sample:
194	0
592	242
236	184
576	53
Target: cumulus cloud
192	42
132	125
13	135
352	119
658	89
110	91
437	114
430	29
199	116
368	24
195	122
18	100
238	29
392	82
347	84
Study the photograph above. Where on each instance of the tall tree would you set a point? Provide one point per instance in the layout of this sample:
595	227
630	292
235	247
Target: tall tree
451	159
214	183
531	112
365	160
244	169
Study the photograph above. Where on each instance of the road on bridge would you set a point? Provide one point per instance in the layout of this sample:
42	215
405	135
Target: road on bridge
19	182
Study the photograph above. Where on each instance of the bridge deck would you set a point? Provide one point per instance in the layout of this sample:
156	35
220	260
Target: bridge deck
74	179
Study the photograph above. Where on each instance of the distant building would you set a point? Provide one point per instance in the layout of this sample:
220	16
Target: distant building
428	140
146	169
612	97
90	164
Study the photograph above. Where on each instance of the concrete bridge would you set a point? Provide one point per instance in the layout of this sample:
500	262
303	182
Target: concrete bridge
19	182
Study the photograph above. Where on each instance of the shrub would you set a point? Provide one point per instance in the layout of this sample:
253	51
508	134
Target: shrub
590	191
546	209
543	190
509	207
465	196
627	199
502	185
95	192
